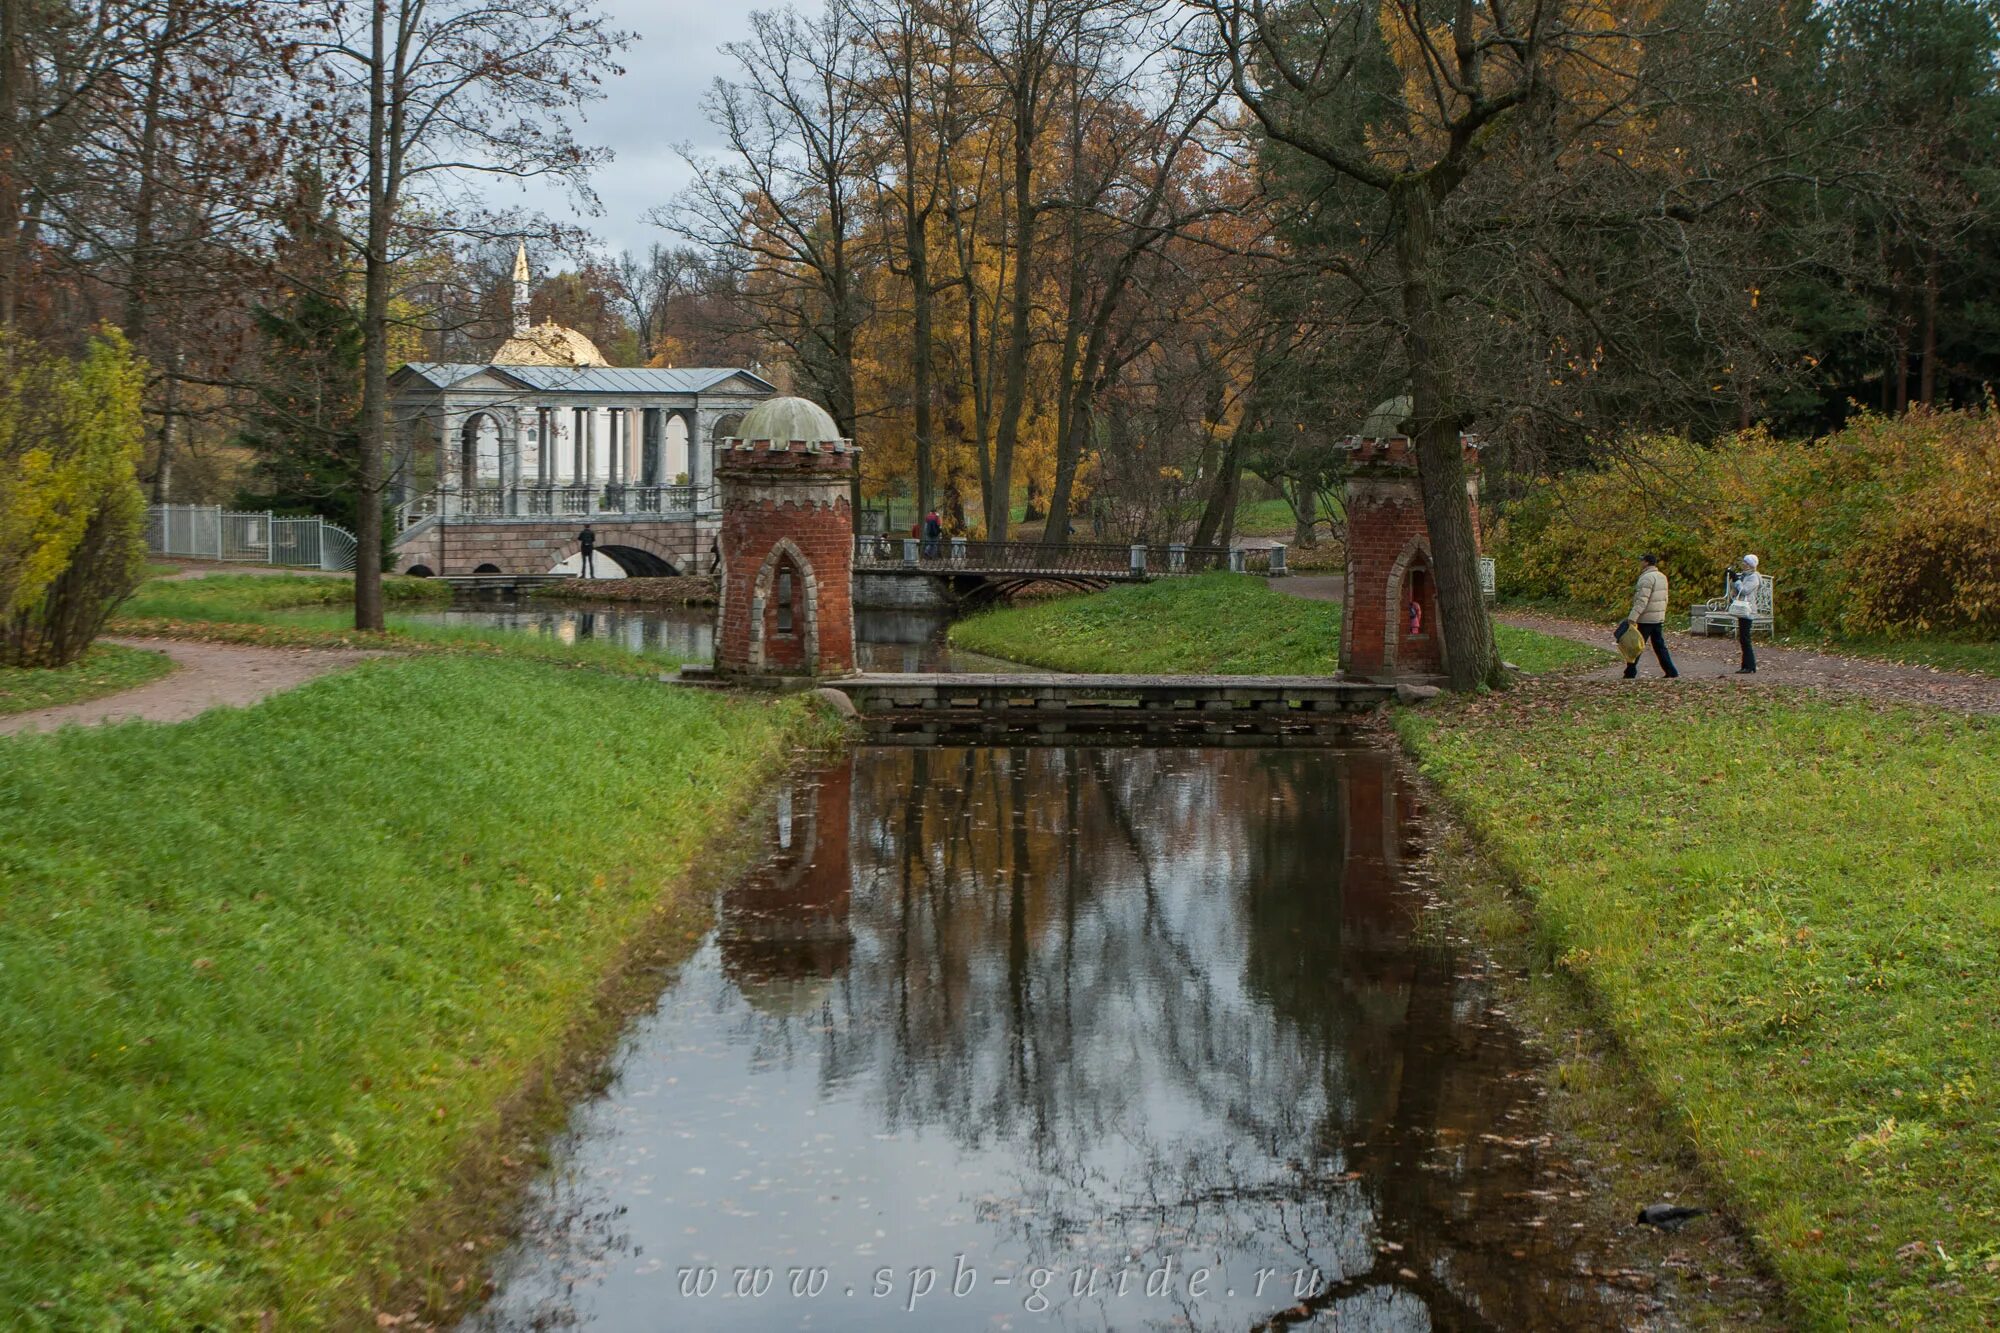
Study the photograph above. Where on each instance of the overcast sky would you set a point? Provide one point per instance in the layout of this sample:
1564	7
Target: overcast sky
655	105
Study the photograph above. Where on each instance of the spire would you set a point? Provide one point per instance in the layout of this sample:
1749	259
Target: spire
521	289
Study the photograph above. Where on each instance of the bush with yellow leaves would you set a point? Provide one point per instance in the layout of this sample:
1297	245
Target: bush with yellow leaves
1889	526
72	519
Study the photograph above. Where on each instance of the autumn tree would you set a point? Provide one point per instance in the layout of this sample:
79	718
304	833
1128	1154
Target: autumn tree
1472	171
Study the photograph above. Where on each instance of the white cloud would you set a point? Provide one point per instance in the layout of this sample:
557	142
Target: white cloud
654	105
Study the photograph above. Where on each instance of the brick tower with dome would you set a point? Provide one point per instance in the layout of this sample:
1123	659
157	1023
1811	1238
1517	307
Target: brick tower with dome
787	544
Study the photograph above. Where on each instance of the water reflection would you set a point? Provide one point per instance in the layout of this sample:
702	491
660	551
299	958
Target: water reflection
687	633
1071	1037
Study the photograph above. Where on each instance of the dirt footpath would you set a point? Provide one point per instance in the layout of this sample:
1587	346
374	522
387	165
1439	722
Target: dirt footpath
205	676
1712	661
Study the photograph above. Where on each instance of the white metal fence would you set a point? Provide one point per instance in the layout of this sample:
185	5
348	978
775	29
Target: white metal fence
210	532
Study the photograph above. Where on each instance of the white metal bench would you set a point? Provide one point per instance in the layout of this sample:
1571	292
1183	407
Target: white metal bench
1714	616
1487	588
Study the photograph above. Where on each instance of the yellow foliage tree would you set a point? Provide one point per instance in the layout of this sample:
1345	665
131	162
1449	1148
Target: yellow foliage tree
72	519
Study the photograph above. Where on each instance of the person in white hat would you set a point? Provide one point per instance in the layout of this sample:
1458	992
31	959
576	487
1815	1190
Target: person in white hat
1744	585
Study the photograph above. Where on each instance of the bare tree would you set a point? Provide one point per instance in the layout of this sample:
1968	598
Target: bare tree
430	95
783	205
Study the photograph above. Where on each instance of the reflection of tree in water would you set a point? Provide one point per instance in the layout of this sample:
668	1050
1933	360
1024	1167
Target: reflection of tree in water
1181	987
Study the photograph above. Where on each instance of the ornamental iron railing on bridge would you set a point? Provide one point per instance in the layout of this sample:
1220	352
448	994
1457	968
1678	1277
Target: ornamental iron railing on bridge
1109	561
477	502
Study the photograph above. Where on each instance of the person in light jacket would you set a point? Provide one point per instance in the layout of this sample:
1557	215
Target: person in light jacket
1744	586
1649	615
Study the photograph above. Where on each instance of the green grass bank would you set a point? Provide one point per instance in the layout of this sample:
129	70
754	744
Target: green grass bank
106	669
271	978
1786	909
1229	624
306	611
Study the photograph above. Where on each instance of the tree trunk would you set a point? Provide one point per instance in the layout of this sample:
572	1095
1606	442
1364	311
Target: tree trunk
12	71
1014	383
374	338
1216	517
920	356
1927	375
1469	655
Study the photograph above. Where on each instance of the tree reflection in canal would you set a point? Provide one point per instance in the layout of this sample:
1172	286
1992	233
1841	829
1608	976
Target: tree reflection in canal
1043	1022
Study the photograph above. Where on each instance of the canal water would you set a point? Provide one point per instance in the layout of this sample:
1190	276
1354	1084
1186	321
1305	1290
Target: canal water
885	640
1080	1038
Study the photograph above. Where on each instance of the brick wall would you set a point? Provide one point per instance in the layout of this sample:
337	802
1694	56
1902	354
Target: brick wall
1389	566
786	511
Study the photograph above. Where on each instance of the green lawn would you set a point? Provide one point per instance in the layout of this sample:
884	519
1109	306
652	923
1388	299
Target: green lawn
106	669
267	977
1788	911
245	598
305	611
1231	624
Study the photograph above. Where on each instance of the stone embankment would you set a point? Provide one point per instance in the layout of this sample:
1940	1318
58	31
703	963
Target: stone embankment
686	590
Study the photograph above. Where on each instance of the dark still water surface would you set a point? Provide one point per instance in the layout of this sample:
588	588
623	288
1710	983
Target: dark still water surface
1074	1038
884	640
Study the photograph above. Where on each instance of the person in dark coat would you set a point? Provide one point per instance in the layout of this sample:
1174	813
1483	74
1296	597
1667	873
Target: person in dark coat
933	531
588	541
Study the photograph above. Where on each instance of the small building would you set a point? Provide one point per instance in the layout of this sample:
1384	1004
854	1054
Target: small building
514	453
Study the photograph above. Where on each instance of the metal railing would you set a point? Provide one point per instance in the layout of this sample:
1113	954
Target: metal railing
555	501
210	532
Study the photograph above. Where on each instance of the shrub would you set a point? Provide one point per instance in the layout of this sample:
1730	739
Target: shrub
1889	526
72	520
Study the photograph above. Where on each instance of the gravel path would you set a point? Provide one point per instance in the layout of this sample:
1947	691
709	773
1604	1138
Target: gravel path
1712	661
205	676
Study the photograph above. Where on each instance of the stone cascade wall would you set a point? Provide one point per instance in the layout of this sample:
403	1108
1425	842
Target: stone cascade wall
459	546
784	503
1389	563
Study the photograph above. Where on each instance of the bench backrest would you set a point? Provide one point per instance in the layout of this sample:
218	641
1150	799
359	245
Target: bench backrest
1762	600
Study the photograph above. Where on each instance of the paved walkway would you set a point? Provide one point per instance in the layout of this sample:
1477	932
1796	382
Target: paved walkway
1712	660
205	676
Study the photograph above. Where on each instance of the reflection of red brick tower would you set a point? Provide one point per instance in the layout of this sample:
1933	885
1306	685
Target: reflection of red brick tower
1390	625
784	925
787	544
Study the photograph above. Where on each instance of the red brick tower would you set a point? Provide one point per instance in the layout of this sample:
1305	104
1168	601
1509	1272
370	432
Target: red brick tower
787	544
1389	563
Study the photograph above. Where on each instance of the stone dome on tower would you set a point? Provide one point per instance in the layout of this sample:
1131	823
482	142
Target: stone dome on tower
544	344
789	421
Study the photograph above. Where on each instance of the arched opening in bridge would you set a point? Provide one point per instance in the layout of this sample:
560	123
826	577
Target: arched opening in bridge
619	562
487	569
420	572
479	450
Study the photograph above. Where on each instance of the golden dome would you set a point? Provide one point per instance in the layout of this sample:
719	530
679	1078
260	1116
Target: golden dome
549	344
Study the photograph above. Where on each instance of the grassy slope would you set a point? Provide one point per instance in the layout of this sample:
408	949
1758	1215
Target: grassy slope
106	669
251	1028
1788	909
1229	623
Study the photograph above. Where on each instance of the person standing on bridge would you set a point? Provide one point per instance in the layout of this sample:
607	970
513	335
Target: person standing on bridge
588	541
933	530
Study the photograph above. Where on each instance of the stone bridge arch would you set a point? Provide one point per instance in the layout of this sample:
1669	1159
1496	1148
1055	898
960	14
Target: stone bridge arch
637	554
